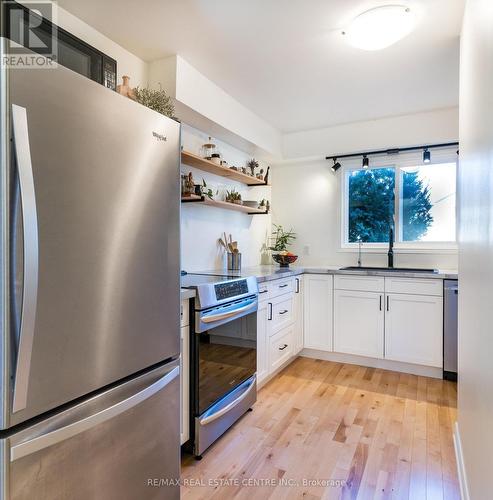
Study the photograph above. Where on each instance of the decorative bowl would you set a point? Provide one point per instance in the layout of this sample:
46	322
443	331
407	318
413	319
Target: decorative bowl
284	260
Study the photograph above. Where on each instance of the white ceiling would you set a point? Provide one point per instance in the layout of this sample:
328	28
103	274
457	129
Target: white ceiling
286	59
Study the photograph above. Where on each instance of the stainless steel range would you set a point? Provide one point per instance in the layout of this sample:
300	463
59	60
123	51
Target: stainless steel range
223	351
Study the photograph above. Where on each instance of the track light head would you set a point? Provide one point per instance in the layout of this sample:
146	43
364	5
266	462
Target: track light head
366	161
336	165
426	156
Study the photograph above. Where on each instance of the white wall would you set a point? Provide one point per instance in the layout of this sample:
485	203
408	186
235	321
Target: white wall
432	127
306	197
201	226
198	98
475	410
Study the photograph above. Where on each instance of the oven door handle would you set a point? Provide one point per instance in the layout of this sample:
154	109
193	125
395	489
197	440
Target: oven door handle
228	314
230	406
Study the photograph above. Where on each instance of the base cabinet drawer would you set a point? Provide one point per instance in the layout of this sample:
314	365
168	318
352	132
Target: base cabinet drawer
359	283
281	348
415	286
280	287
281	312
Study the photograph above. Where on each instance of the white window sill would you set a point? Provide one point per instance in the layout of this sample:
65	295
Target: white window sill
421	249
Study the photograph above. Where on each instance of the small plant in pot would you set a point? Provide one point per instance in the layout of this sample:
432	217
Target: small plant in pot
233	197
281	241
205	190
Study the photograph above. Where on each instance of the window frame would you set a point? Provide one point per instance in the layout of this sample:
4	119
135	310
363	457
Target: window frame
414	159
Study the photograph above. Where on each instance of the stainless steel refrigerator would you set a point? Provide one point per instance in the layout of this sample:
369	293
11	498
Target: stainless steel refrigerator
89	298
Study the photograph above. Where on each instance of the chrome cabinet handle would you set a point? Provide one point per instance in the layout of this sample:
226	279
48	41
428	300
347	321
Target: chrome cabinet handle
283	312
388	306
380	306
62	434
263	291
283	286
31	256
297	285
270	312
283	347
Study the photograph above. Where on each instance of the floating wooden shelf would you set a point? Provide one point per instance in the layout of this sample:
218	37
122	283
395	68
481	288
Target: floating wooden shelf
213	168
222	204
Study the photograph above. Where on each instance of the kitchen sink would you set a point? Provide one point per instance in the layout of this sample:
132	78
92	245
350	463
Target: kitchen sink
390	269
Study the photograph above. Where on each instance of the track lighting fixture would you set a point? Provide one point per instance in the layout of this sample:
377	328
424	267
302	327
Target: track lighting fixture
426	156
425	149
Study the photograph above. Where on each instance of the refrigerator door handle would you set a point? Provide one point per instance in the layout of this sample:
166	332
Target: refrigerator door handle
49	439
30	268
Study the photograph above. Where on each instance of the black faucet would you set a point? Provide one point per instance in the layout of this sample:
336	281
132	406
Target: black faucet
390	253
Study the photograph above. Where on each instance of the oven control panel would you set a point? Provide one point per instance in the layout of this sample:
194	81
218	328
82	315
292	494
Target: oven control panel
230	289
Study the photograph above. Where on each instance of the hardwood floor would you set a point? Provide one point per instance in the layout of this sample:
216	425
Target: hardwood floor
373	433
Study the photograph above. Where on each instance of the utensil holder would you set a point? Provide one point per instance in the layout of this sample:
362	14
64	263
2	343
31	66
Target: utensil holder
234	261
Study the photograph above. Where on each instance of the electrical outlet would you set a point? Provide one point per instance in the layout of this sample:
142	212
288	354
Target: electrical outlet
306	250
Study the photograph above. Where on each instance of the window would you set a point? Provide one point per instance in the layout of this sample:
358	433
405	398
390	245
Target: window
417	201
371	204
428	202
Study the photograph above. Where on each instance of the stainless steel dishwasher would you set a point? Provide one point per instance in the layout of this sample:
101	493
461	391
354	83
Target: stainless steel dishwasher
450	293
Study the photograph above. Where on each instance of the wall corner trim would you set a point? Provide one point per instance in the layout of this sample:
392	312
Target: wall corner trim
461	469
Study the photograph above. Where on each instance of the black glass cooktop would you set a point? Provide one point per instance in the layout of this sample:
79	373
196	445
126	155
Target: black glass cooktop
194	280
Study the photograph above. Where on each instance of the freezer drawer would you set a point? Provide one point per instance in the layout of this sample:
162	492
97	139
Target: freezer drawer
122	444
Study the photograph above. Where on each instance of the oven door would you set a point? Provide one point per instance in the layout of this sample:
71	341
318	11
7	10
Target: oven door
227	357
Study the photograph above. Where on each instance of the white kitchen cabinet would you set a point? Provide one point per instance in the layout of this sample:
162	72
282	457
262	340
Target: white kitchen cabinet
281	312
262	341
359	323
185	384
280	348
298	315
317	311
414	329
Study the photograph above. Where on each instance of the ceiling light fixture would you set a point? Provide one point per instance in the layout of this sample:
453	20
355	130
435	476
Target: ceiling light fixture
426	156
336	165
380	27
366	161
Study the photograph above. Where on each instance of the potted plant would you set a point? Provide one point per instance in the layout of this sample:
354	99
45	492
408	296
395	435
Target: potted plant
233	197
206	191
281	241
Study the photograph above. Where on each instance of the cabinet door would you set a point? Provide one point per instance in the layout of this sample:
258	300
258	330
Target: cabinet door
359	323
298	315
318	294
185	384
262	341
414	329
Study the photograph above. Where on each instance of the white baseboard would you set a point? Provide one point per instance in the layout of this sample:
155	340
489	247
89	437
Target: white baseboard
461	470
385	364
